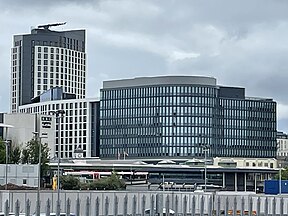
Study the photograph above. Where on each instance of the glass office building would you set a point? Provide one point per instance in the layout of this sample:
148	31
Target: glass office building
182	116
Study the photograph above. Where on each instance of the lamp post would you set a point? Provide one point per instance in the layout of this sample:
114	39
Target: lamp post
205	147
280	179
59	115
6	164
39	138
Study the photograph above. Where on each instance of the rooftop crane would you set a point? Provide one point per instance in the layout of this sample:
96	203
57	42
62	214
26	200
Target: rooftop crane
46	27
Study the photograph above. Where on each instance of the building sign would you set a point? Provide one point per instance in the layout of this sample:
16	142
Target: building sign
46	122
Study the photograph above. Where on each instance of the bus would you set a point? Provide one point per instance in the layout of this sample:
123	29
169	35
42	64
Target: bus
129	177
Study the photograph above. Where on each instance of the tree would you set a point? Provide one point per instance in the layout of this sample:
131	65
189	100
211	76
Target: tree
2	152
15	154
284	174
30	154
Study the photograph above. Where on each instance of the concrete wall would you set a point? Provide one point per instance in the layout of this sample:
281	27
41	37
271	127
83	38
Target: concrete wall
19	173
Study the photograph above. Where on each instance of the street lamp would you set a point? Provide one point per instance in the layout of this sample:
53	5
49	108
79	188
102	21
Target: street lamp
39	138
59	115
205	147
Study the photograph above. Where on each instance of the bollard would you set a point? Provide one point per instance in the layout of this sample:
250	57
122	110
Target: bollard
48	207
17	208
68	207
87	210
97	205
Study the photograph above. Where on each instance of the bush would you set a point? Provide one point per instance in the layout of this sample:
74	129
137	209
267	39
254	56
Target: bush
110	183
70	183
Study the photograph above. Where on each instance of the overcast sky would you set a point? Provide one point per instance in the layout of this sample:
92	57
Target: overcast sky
241	43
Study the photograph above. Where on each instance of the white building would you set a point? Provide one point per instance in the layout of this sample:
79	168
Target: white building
282	142
24	126
77	129
19	174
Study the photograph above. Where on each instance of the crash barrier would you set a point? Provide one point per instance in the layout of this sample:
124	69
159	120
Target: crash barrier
158	203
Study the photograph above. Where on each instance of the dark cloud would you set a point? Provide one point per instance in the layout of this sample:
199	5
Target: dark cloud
241	43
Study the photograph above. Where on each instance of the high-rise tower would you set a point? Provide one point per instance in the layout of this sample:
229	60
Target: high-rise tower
45	59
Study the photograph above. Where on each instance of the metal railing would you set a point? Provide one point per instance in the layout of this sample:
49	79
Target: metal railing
160	203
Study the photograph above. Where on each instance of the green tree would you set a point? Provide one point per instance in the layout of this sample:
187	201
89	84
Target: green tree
284	174
2	152
15	154
30	154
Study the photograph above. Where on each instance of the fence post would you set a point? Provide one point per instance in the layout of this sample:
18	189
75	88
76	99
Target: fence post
77	207
250	205
97	204
274	206
157	205
185	206
266	206
125	205
242	206
176	204
87	211
27	206
258	206
167	205
235	206
6	208
210	206
202	206
115	205
281	206
143	204
218	205
226	205
193	209
106	210
68	207
48	207
134	205
17	207
152	205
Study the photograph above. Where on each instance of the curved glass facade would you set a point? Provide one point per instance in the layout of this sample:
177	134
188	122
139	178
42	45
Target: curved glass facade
177	120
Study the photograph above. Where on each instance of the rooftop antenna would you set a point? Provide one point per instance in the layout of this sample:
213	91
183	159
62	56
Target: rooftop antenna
47	26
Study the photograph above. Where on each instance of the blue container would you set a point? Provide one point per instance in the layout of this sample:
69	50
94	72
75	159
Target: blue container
272	187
